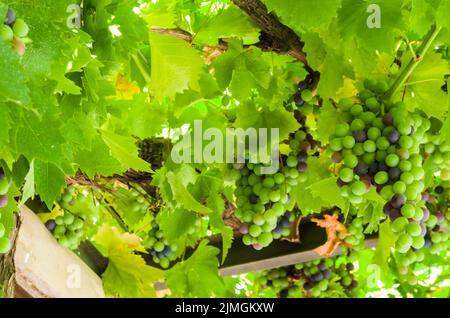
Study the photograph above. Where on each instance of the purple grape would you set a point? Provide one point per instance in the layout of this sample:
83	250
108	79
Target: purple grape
254	199
423	229
243	229
413	130
10	17
440	217
388	120
287	214
284	293
160	255
269	283
426	214
428	242
382	167
322	266
350	267
267	206
302	85
373	168
361	169
3	201
50	225
317	277
353	285
302	167
398	200
285	223
307	286
2	173
167	251
326	274
302	156
298	100
439	189
360	136
153	253
394	174
444	88
278	230
436	228
340	183
393	136
257	246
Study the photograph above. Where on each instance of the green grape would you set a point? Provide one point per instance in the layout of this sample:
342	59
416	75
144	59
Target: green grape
6	33
20	28
265	239
381	177
408	211
346	174
254	230
413	229
358	188
307	95
350	161
399	224
392	160
345	104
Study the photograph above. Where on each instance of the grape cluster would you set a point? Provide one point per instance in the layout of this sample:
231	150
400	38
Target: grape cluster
159	247
13	30
379	149
318	278
5	243
438	151
262	201
67	229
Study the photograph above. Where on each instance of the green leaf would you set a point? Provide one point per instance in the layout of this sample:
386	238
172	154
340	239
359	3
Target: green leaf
304	14
28	187
175	66
98	160
198	275
423	90
248	116
386	241
12	80
327	120
124	149
128	276
231	22
182	195
49	181
176	223
353	18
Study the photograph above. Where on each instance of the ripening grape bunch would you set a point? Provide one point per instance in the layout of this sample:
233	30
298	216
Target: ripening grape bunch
13	31
163	252
262	201
435	230
318	278
5	243
69	227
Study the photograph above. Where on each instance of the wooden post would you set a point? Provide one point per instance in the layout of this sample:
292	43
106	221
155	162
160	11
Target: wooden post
39	267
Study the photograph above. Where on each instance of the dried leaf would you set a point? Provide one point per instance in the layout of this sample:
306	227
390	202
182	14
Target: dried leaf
335	232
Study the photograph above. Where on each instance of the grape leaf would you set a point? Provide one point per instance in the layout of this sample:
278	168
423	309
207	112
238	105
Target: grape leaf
423	91
124	149
175	66
304	14
182	195
128	276
231	22
198	275
28	187
353	18
386	241
12	81
49	181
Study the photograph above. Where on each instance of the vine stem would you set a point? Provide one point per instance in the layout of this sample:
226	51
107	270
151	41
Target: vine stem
414	62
